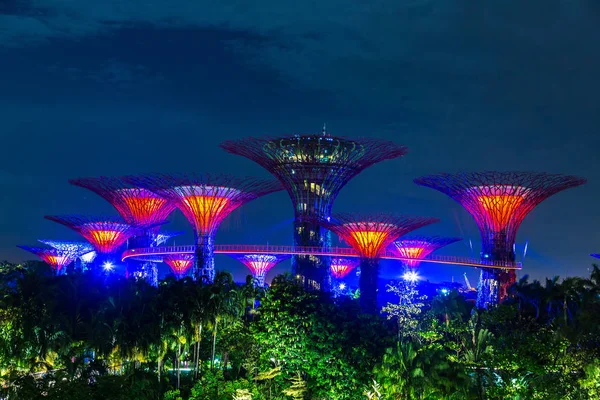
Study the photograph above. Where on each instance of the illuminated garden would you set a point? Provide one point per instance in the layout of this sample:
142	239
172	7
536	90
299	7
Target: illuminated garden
94	319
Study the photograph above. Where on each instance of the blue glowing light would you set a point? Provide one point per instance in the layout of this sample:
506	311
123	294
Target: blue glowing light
410	276
108	266
342	286
444	291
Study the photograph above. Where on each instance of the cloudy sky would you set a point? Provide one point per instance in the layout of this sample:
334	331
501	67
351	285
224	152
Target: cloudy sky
116	87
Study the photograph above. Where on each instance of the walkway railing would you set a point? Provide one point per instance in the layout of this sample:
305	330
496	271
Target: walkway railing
317	251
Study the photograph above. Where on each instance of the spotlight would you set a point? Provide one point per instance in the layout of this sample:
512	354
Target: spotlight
410	276
342	286
108	266
444	291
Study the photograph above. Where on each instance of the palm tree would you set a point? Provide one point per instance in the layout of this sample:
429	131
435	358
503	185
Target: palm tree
222	306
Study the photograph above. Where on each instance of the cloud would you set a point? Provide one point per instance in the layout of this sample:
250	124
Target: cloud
446	57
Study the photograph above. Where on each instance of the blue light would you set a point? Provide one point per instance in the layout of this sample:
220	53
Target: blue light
108	266
444	291
410	276
342	286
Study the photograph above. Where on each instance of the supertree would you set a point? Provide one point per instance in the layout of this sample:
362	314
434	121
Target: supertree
260	264
179	263
370	236
79	249
341	266
106	234
339	269
57	259
138	206
417	247
205	200
313	169
498	201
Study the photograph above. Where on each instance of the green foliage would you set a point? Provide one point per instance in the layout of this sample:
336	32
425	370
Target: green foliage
69	337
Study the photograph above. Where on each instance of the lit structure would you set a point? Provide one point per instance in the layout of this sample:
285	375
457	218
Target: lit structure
498	201
370	236
259	264
83	251
179	263
57	259
105	234
160	238
138	206
417	247
340	267
205	200
313	169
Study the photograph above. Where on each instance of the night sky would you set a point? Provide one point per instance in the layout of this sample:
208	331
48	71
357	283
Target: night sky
112	87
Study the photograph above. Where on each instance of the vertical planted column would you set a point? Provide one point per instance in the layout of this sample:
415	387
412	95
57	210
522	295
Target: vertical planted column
499	202
105	234
370	236
206	200
313	169
138	207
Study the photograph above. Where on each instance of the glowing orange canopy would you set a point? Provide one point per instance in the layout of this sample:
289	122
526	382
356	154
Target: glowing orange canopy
180	264
207	206
369	238
498	204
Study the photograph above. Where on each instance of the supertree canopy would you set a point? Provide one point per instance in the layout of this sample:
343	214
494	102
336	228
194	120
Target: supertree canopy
260	264
57	259
313	169
206	200
417	247
341	267
370	236
76	248
179	263
136	205
498	201
106	234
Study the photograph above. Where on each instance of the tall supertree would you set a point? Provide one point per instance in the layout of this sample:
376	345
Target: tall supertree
417	247
57	259
79	249
370	236
498	201
313	169
106	234
179	263
138	206
205	200
260	264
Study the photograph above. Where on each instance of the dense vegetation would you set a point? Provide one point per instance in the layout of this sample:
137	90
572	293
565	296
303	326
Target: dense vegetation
84	337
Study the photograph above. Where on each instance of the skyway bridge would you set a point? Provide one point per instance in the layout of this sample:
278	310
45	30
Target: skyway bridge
155	254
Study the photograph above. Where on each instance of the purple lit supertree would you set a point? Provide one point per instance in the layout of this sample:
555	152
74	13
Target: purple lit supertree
138	206
81	250
370	236
57	259
179	263
260	264
313	169
498	201
106	234
205	200
339	269
417	247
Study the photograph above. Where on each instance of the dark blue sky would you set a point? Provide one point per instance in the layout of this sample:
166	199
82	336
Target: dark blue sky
112	87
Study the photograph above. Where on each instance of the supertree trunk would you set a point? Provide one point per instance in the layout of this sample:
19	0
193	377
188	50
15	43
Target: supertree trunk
204	268
369	276
314	269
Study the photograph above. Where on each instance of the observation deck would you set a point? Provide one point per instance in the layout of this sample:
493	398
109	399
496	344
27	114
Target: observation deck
158	252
